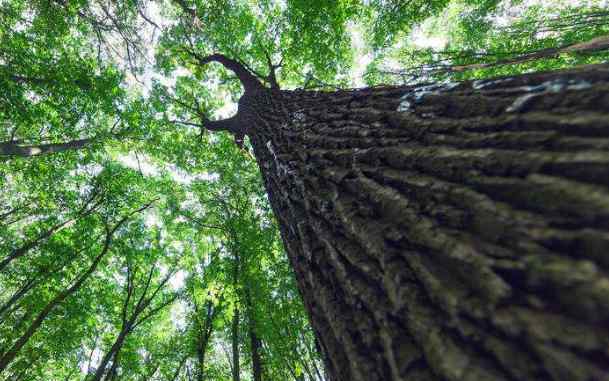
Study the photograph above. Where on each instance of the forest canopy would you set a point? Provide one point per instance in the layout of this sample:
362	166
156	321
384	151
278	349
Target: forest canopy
135	243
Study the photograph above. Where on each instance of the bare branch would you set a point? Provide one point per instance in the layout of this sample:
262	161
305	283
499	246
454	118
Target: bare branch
186	123
231	124
272	78
141	12
248	80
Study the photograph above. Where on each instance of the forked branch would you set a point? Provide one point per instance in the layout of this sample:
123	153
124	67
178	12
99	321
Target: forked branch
248	80
272	77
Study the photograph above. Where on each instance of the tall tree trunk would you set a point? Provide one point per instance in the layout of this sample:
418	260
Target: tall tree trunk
89	207
255	345
235	323
446	232
255	348
112	353
10	355
11	305
235	345
200	360
113	372
179	368
203	337
18	294
27	246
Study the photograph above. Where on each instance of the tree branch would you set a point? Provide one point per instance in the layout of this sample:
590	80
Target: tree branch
231	124
248	80
12	149
272	78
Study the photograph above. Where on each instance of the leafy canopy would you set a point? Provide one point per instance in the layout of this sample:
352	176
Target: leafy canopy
136	245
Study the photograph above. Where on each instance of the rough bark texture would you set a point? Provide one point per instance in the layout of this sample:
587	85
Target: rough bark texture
447	232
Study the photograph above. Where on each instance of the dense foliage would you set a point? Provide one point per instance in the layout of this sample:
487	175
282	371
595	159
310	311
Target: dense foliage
135	245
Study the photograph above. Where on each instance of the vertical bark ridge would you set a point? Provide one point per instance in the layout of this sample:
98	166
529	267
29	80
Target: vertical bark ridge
447	231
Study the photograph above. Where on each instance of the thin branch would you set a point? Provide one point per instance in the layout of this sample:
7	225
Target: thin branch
272	77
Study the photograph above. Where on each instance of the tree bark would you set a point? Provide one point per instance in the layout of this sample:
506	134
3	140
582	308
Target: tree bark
203	336
447	232
18	150
235	323
235	345
255	345
112	353
255	348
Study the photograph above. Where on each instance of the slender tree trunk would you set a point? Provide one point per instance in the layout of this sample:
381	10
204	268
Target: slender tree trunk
200	359
593	45
18	294
179	368
112	353
23	249
314	363
255	345
112	373
12	211
235	323
235	345
90	358
446	232
10	355
203	337
255	348
11	305
90	206
151	374
131	321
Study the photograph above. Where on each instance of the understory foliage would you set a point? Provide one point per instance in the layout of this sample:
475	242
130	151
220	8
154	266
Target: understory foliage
135	245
